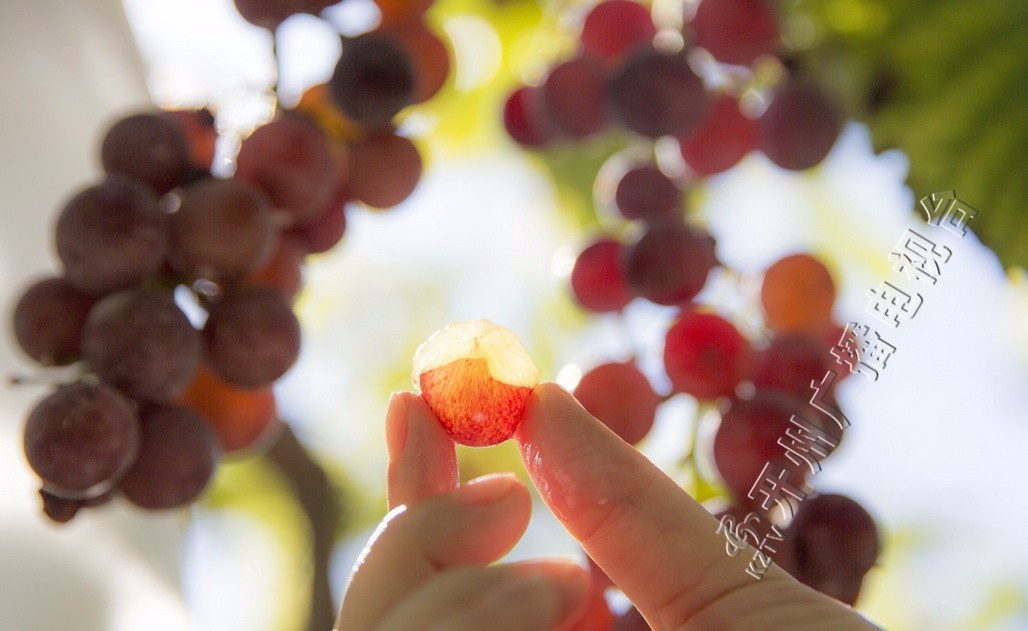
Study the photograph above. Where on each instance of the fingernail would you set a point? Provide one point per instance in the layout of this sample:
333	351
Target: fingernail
487	488
396	424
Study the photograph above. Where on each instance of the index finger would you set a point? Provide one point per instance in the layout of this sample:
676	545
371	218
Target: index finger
657	543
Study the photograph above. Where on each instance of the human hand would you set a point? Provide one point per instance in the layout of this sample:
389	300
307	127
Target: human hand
653	540
427	565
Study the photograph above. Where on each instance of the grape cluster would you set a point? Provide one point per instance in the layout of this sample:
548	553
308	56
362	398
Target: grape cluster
156	397
627	82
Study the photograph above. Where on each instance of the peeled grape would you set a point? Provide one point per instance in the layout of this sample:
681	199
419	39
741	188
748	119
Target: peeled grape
48	321
140	341
799	127
597	280
615	27
834	542
252	337
241	419
797	295
81	439
646	193
621	397
670	263
572	96
747	439
736	31
150	149
223	229
373	80
290	161
521	119
177	456
724	138
384	170
705	355
111	235
657	94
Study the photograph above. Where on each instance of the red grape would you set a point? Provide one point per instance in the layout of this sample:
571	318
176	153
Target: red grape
797	295
177	456
252	337
241	419
48	321
614	27
401	10
657	94
374	79
705	355
597	280
646	193
428	54
620	396
384	170
522	121
326	231
736	31
222	230
790	363
284	270
150	149
722	140
290	161
140	341
200	132
572	96
81	439
597	615
670	263
270	13
111	235
799	127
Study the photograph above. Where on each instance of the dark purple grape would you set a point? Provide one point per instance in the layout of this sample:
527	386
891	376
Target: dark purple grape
799	127
670	263
572	96
62	510
252	337
223	230
646	193
48	321
177	456
656	94
81	439
148	148
111	235
833	542
373	80
140	341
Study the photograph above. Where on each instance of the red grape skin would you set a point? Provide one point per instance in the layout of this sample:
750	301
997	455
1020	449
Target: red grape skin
176	459
111	235
289	159
620	396
384	170
656	94
81	439
252	337
149	148
800	126
614	27
572	96
597	280
722	141
833	543
374	79
705	355
644	192
521	121
223	229
139	341
48	321
797	294
790	363
670	263
736	31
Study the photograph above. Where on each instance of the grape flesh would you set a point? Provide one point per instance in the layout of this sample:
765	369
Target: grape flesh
251	336
223	229
149	148
81	439
621	397
111	235
139	341
670	263
48	321
177	456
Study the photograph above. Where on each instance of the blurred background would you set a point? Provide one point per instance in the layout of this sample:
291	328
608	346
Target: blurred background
935	450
